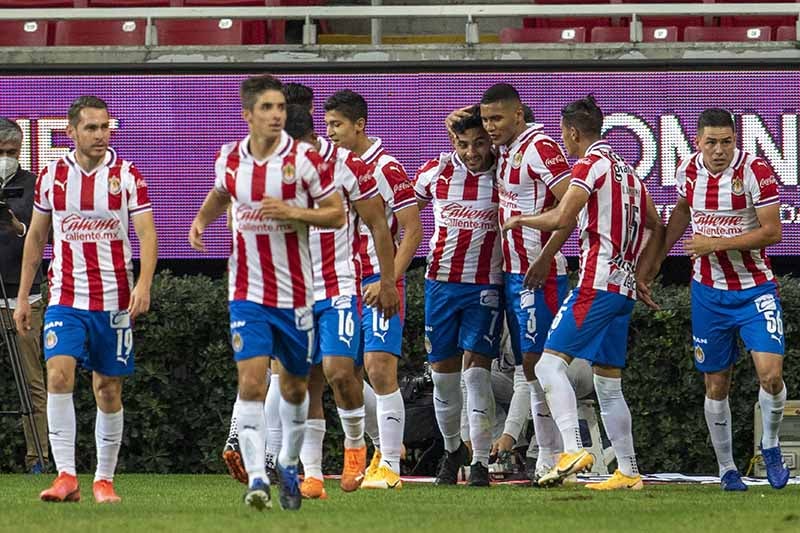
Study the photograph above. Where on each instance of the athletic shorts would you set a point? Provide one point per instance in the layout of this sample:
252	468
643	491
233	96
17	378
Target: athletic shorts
379	334
718	315
287	334
462	316
338	323
101	341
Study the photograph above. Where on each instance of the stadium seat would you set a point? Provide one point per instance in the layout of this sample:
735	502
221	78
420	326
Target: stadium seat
173	32
543	35
23	33
786	33
35	4
253	31
129	3
754	21
100	32
620	34
568	22
719	34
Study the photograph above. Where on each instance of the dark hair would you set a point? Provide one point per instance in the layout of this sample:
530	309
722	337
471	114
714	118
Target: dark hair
501	92
297	93
473	120
584	115
83	102
252	88
527	114
10	132
716	118
298	121
349	103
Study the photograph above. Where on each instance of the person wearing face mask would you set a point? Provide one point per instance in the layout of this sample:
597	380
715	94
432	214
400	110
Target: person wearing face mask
15	216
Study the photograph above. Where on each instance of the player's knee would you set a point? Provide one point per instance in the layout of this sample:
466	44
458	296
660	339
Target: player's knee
59	381
772	381
252	387
343	379
717	390
548	367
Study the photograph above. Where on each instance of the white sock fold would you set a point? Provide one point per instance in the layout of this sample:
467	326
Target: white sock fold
391	423
293	421
480	406
234	429
273	419
311	451
447	402
371	415
61	430
548	439
771	415
108	439
552	373
617	421
718	420
251	438
353	426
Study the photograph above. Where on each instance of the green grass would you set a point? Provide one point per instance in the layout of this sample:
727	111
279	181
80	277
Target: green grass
153	503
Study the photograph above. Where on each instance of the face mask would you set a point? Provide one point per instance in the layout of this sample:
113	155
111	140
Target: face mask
8	167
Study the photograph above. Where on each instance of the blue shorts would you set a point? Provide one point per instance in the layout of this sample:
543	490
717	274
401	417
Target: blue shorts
261	331
101	341
718	315
338	322
381	335
462	316
530	313
592	325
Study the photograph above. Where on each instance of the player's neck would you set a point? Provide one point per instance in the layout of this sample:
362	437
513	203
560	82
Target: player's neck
88	164
584	144
520	129
363	144
262	147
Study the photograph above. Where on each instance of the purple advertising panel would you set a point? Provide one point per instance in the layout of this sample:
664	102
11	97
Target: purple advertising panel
172	126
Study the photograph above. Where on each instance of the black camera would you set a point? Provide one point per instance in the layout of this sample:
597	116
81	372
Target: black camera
5	194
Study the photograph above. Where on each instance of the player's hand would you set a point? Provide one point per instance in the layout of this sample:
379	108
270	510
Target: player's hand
388	302
455	116
140	300
512	223
503	445
699	246
276	209
537	273
196	236
22	316
645	294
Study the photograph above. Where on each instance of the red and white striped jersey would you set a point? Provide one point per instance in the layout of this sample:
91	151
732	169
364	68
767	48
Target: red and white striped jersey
91	267
526	170
271	263
725	206
612	222
465	246
334	252
397	193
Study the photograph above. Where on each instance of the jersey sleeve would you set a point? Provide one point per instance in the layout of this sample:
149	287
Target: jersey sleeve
225	169
584	174
424	179
402	192
317	175
680	178
136	187
547	159
357	178
41	193
764	185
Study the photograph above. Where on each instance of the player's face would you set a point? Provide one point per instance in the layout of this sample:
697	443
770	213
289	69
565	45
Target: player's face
474	148
92	132
501	120
569	136
717	145
342	130
268	116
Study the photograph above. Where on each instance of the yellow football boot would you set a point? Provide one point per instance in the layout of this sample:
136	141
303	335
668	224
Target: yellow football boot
374	463
618	481
568	464
382	477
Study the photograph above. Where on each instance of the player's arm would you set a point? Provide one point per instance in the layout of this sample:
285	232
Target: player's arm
519	410
651	256
148	255
538	271
31	258
769	232
678	222
561	217
329	212
214	205
408	218
371	212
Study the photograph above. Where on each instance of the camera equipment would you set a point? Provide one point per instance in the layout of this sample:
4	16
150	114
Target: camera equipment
6	193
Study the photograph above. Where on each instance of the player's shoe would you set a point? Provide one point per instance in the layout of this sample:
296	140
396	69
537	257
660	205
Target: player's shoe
777	473
313	489
374	463
232	456
382	478
355	463
568	464
290	497
618	481
257	495
732	481
103	491
478	475
64	489
450	464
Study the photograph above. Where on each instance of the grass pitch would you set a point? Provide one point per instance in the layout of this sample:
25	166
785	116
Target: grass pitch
153	503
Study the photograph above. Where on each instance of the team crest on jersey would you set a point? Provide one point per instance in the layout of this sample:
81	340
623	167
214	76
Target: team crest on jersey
699	354
516	162
237	342
114	185
289	175
50	339
737	185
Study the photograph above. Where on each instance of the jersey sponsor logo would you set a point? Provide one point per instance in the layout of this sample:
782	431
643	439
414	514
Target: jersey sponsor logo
553	161
715	225
54	324
237	342
119	319
490	298
251	220
401	186
77	228
766	182
766	302
698	340
236	324
460	216
114	185
737	186
50	339
304	318
289	174
342	302
699	354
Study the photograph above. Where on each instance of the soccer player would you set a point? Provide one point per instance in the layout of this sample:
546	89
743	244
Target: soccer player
346	120
271	181
613	209
463	293
731	199
89	196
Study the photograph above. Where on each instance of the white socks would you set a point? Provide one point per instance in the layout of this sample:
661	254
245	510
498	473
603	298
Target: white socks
234	429
353	427
371	415
548	439
108	439
391	423
311	451
251	439
617	421
552	373
718	419
273	419
447	403
771	415
480	409
293	422
61	428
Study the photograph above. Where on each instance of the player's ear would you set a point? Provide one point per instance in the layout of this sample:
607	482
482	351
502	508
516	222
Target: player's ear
360	124
246	114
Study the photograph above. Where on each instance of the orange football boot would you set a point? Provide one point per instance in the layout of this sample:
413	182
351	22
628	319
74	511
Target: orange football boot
355	463
64	489
104	492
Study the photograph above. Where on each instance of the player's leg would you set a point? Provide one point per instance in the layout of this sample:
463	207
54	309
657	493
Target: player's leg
108	434
272	420
370	419
313	486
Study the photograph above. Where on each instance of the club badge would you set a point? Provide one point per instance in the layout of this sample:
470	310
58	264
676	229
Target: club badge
114	185
50	339
517	161
289	175
699	355
737	185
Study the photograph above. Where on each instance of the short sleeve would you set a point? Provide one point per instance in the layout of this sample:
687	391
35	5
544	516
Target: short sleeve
549	162
584	174
357	177
680	179
221	182
402	192
138	198
763	185
41	192
317	175
423	180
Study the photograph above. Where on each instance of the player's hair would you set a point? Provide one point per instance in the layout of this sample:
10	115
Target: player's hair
715	117
500	92
473	120
527	114
10	132
81	103
349	103
298	121
584	116
252	88
297	93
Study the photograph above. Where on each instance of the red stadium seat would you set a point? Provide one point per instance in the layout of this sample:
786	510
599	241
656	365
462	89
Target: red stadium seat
786	33
754	21
254	31
130	3
569	22
100	32
33	4
718	34
543	35
173	32
23	33
620	34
